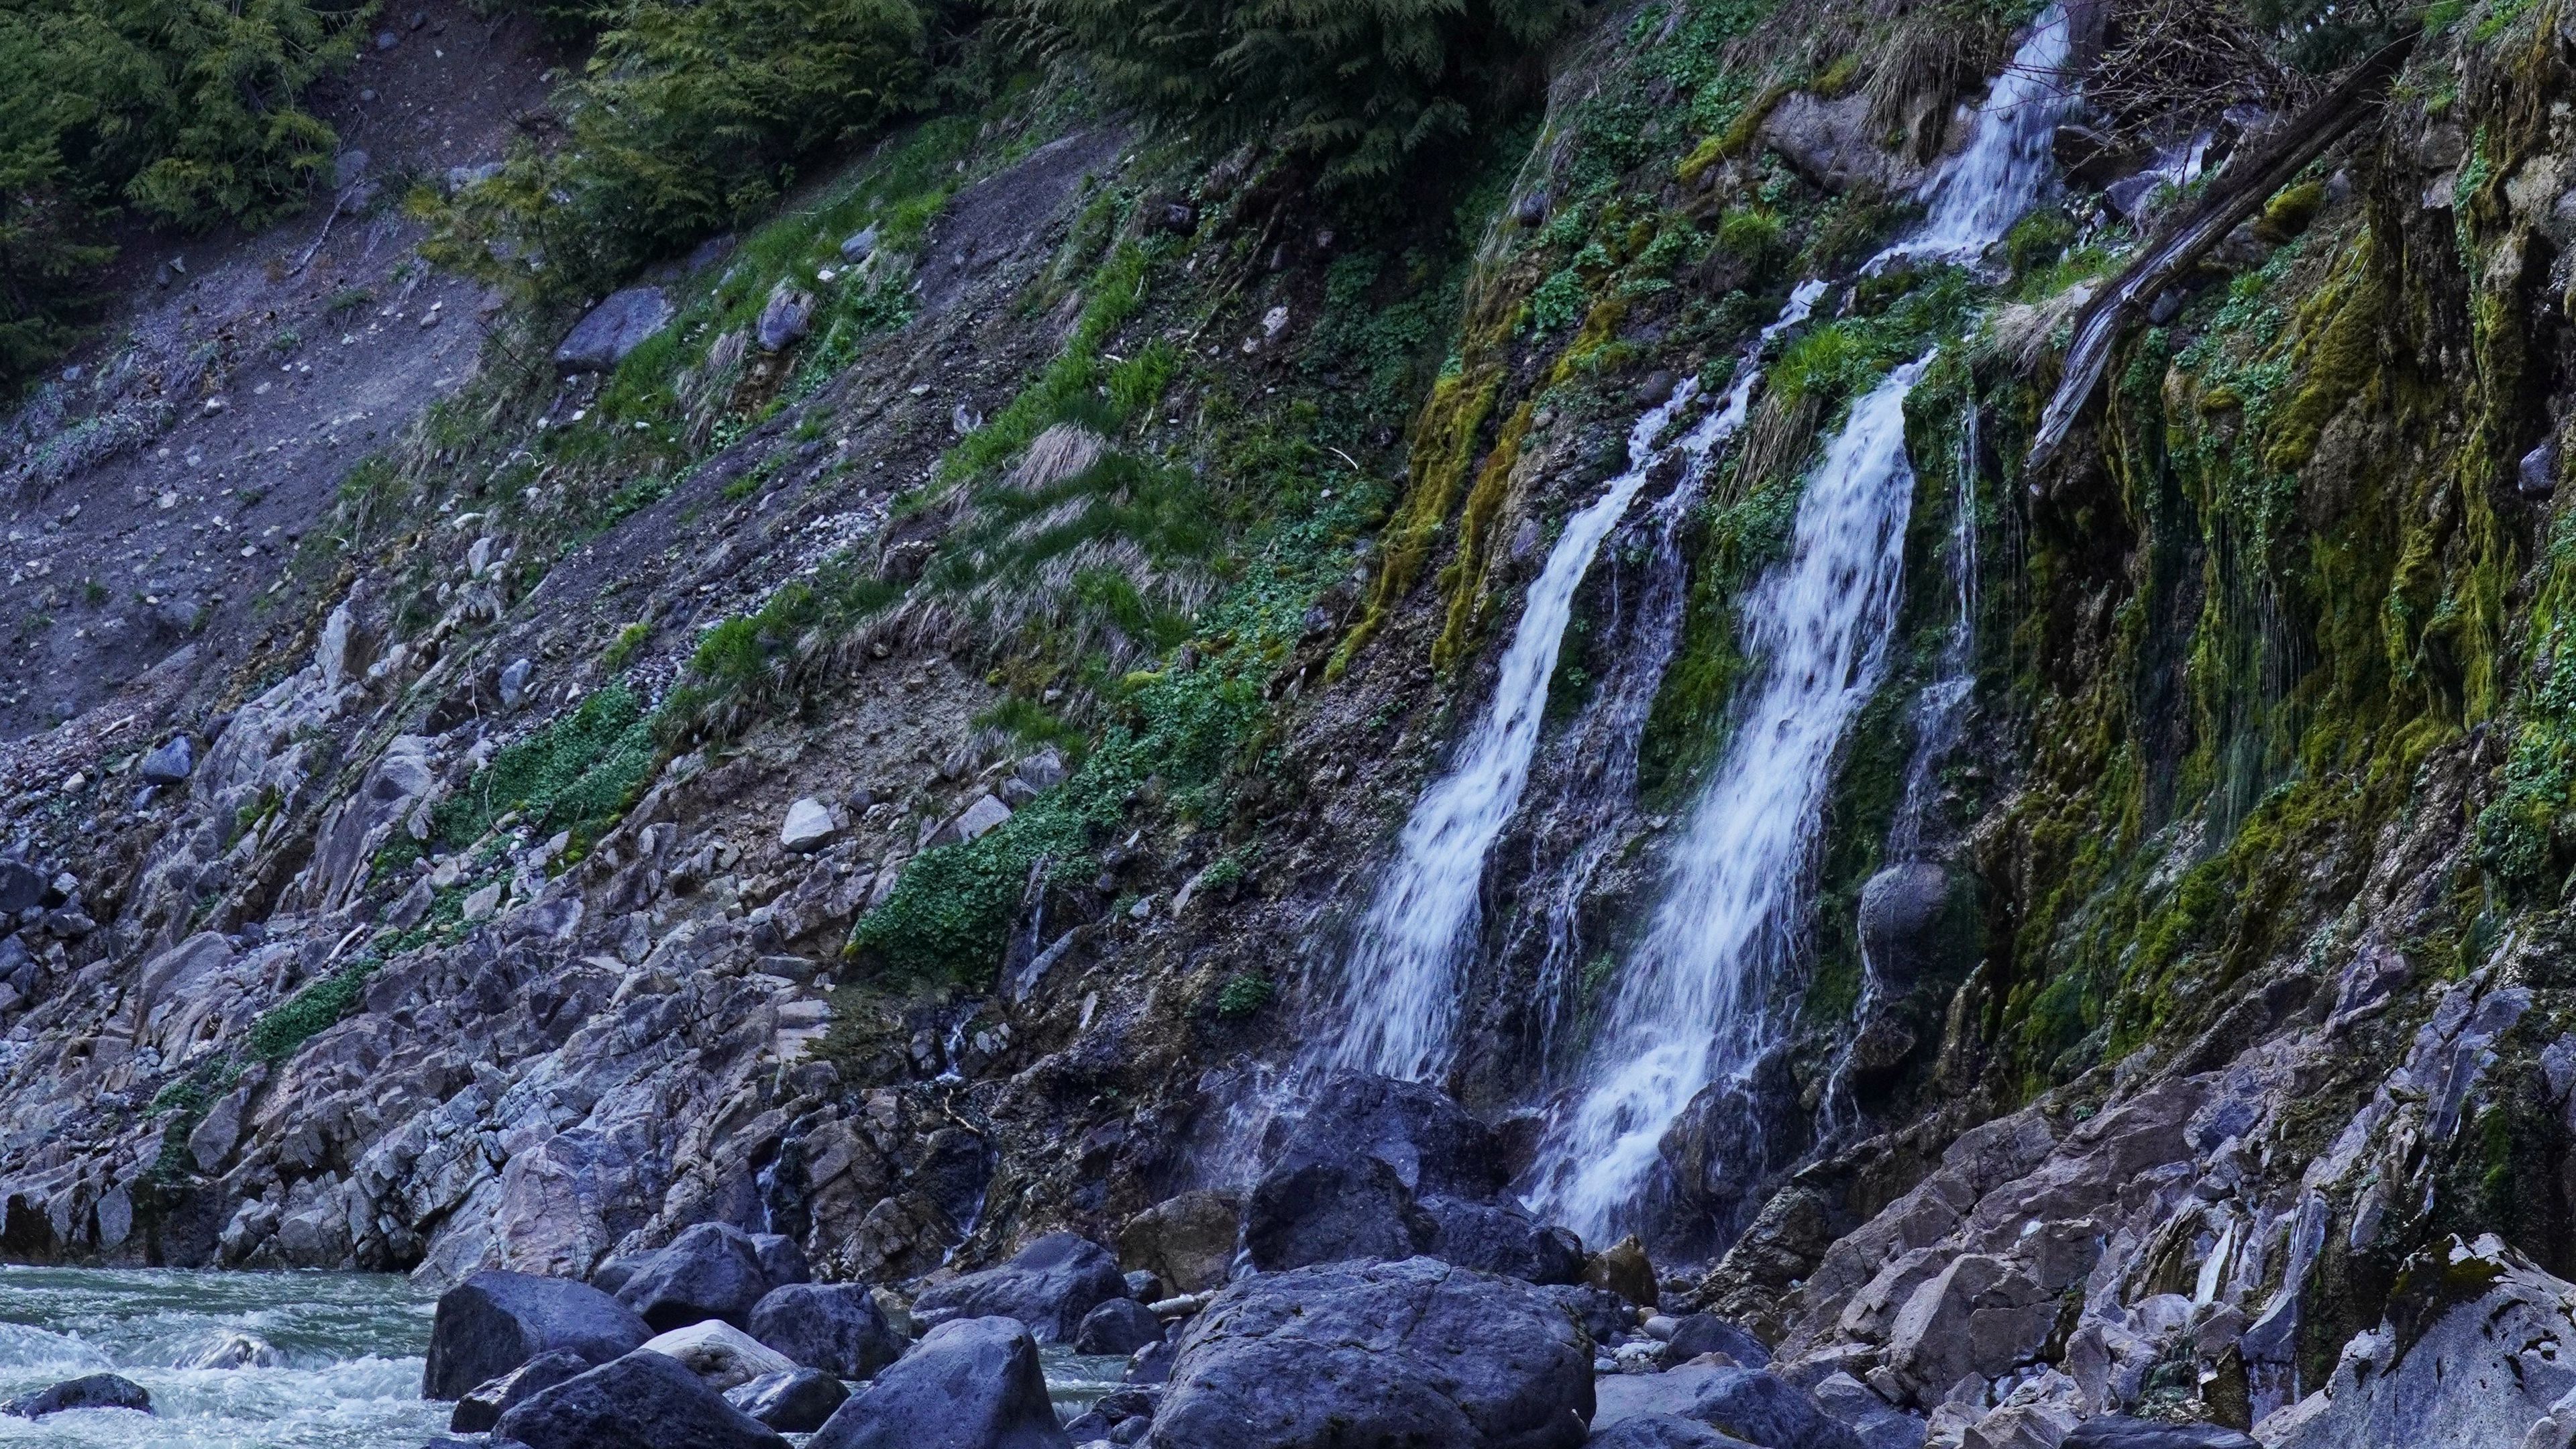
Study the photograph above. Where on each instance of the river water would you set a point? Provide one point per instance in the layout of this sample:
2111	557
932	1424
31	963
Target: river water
262	1360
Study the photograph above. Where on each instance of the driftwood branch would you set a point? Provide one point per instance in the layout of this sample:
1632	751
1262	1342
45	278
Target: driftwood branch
2237	194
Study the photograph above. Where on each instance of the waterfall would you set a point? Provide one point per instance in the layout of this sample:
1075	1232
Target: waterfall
1697	1001
1399	1002
1399	999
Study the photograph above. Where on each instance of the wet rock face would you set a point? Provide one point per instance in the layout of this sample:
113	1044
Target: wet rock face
92	1391
495	1321
973	1383
1049	1286
1416	1351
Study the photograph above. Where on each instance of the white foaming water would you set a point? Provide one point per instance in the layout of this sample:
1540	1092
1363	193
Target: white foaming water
1695	1003
1399	1007
308	1360
1399	999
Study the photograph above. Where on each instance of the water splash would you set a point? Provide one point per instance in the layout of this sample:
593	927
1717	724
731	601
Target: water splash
1698	1001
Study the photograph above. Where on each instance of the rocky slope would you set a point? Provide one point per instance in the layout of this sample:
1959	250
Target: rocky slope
898	758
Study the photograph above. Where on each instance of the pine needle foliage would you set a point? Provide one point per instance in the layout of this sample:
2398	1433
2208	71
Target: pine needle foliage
1362	85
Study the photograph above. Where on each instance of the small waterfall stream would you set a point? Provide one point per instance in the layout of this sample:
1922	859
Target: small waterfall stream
1399	993
1698	1001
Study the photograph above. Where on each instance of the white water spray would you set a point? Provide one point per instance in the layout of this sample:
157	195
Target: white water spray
1697	1002
1399	1007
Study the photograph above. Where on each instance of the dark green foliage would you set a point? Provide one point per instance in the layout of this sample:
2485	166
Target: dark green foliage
577	773
185	109
688	119
1244	994
1364	84
289	1025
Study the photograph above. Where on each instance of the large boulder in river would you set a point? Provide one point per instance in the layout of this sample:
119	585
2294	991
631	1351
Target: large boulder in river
1049	1286
835	1327
1187	1241
712	1270
479	1410
972	1383
1118	1327
719	1353
641	1401
495	1321
90	1391
1411	1352
794	1401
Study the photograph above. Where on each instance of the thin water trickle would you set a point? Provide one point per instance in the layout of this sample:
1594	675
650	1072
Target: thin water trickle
1698	1002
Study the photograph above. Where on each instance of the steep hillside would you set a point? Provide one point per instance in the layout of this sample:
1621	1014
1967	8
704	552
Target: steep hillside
1912	646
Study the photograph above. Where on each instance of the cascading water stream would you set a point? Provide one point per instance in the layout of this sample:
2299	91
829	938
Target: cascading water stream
1399	1005
1696	1002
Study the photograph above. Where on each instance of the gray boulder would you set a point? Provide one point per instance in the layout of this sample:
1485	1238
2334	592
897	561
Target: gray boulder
90	1391
1502	1237
859	245
835	1327
21	886
794	1402
1754	1405
781	1261
495	1321
170	764
1330	1212
972	1383
1707	1333
641	1401
1049	1286
1411	1352
712	1270
1859	1408
1120	1326
784	319
1433	1144
478	1411
1662	1431
2119	1431
1914	925
617	326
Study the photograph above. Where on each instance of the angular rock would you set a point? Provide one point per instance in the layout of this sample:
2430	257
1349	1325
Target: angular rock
495	1321
1049	1285
1331	1212
1411	1352
1858	1407
1661	1431
716	1351
90	1391
478	1411
785	318
859	246
712	1270
641	1401
1120	1326
808	827
1433	1144
617	326
21	886
1752	1404
780	1259
1624	1269
1187	1241
1707	1333
792	1401
170	764
1502	1237
973	1383
835	1327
